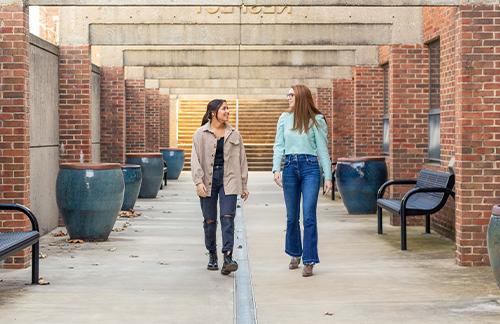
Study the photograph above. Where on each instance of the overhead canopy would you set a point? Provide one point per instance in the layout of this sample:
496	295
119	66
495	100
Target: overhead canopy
381	3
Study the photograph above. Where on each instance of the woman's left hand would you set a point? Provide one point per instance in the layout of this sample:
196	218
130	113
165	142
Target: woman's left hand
245	195
327	187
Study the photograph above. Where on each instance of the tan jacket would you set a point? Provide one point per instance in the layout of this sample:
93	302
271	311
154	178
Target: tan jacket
235	159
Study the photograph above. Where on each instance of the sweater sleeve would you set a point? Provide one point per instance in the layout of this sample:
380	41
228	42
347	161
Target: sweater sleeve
321	139
279	144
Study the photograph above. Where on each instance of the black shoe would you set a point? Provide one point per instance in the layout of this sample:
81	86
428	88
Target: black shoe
229	265
212	261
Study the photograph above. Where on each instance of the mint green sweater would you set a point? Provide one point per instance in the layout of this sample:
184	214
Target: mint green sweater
314	142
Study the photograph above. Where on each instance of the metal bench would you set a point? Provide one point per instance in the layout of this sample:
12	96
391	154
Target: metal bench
431	191
12	242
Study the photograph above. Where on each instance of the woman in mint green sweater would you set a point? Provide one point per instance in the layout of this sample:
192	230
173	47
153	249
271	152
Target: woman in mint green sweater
301	138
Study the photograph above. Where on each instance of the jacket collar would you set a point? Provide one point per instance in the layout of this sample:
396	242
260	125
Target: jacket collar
207	127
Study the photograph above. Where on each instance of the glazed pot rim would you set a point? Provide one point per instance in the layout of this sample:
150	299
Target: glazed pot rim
361	159
144	154
90	166
171	149
130	166
496	210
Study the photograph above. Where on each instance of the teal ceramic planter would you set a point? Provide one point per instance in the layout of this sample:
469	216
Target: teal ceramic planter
132	176
358	181
89	197
174	158
493	239
152	172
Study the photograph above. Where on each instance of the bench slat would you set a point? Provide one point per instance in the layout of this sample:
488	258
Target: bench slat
12	242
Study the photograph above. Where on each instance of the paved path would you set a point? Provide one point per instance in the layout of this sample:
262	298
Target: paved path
154	272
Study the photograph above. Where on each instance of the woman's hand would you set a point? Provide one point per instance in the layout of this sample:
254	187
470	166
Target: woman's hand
327	187
245	195
277	178
201	190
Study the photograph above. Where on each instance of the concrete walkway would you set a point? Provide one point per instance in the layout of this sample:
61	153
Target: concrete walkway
153	271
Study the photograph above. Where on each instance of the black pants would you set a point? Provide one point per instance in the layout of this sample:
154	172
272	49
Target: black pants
227	207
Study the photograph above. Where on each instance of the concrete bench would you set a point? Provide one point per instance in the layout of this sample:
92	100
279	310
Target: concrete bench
431	191
12	242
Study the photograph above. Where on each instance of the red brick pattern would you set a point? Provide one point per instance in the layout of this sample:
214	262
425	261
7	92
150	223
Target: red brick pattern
14	122
164	120
324	104
440	22
343	118
75	71
153	109
135	112
368	110
112	114
478	131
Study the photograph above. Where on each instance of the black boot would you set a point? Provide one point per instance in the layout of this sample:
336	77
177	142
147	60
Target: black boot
212	261
229	264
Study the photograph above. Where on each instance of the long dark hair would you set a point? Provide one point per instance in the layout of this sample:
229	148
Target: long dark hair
304	109
212	107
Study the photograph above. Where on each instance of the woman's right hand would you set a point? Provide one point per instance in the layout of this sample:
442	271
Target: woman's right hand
277	178
201	190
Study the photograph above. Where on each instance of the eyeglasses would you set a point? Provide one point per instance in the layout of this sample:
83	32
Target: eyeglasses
290	95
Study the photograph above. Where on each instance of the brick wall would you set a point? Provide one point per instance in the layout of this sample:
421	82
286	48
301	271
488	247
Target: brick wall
478	128
164	120
343	118
408	111
368	110
75	102
324	104
14	122
440	23
135	115
112	114
153	109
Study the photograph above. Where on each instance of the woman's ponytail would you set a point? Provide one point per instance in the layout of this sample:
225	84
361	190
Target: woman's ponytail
212	107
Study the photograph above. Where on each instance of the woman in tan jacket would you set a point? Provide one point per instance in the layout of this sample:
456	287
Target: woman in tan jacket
220	172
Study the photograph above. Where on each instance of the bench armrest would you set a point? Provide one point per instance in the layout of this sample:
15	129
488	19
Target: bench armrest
417	190
25	210
382	188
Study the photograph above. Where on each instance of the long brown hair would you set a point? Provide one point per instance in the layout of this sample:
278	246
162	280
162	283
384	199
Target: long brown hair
304	110
212	108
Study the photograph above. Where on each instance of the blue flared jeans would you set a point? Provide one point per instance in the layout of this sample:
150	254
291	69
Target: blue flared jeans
301	179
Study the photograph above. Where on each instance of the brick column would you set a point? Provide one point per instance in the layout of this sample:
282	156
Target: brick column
135	115
75	73
478	128
343	118
112	114
164	120
14	121
152	121
324	103
368	110
408	111
440	22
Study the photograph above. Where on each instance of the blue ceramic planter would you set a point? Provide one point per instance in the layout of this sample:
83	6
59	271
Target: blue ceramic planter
152	172
132	176
358	181
174	158
493	239
89	197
